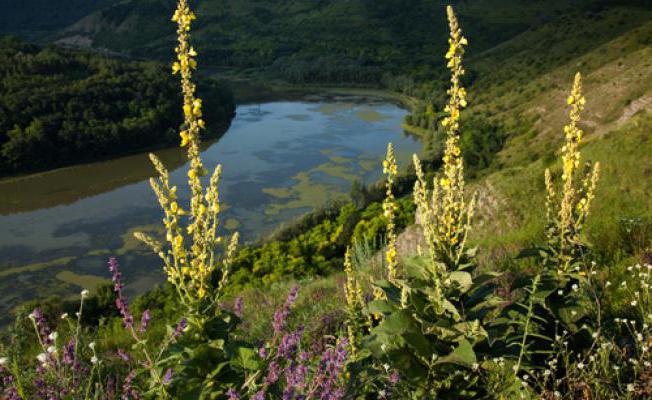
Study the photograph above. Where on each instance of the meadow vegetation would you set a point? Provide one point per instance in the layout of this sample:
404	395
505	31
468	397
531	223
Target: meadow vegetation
562	319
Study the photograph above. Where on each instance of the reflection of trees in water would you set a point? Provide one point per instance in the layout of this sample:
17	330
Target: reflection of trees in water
68	185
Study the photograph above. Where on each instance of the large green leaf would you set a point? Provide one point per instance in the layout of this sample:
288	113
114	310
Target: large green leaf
463	355
463	280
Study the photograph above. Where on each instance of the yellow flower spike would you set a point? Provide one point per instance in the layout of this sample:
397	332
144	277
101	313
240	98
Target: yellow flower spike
190	271
444	214
390	168
566	213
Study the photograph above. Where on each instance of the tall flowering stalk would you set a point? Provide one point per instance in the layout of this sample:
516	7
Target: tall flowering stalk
430	331
444	213
567	211
356	322
192	256
389	207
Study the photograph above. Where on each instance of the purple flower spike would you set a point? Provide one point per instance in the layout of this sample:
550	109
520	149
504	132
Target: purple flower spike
289	344
121	302
180	328
280	316
144	321
238	307
259	395
69	352
273	373
128	391
292	297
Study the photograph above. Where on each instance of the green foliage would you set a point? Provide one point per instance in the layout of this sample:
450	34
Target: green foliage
434	350
59	107
315	245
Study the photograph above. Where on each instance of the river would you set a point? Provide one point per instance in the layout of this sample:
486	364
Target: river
280	159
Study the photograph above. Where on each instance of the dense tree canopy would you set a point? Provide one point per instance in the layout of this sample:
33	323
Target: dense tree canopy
59	106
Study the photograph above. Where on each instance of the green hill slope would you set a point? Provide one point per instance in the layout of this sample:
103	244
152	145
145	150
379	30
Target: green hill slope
302	41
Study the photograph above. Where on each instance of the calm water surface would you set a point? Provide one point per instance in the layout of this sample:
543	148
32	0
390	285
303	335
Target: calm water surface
280	160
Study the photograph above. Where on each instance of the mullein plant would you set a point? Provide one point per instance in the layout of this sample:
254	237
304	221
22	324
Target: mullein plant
192	257
558	297
432	308
195	258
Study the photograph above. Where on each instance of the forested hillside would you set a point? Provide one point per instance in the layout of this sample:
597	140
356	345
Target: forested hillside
35	18
60	106
306	41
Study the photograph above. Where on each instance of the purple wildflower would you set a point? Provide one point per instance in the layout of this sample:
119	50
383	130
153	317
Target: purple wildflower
262	352
123	355
233	395
289	343
237	309
42	325
144	321
295	375
121	302
273	373
260	395
288	393
281	315
292	296
10	392
69	352
128	391
180	328
167	378
329	371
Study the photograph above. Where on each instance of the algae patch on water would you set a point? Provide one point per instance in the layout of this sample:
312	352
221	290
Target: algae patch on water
337	171
232	224
306	193
59	262
89	282
371	115
130	243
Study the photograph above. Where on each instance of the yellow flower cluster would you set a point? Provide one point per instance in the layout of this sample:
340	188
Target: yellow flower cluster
192	257
354	301
444	213
570	212
389	207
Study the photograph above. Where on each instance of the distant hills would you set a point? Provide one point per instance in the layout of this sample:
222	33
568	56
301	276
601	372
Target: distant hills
298	40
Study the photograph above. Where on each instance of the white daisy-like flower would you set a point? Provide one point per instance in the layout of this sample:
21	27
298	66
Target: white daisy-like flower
42	357
85	293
